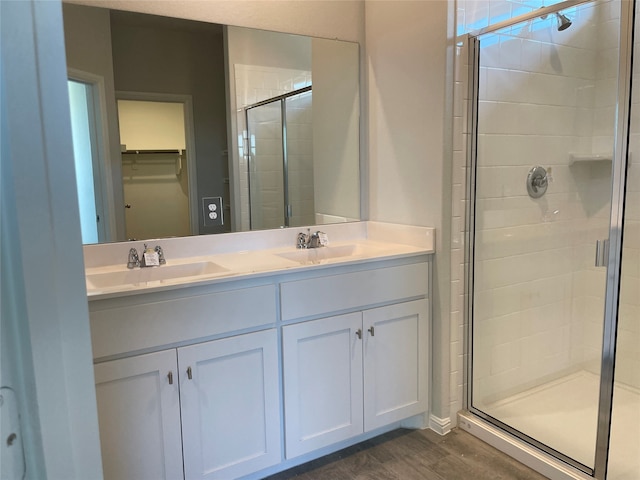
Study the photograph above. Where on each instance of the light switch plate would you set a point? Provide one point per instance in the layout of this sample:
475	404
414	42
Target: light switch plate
212	211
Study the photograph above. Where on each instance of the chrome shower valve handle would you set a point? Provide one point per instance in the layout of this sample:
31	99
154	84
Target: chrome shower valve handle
537	182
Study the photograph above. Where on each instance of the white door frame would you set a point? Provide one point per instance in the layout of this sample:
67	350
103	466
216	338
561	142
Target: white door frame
107	228
47	268
190	140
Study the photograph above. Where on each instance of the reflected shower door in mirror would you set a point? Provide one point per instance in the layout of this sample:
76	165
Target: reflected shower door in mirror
546	98
280	158
223	70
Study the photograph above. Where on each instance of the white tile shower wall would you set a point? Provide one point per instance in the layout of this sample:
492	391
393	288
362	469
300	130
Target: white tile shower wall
254	84
473	15
539	297
459	199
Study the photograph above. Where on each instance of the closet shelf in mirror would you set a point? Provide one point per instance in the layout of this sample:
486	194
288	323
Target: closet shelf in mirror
153	152
135	158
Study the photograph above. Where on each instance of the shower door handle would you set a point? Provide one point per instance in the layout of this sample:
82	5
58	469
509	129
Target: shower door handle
602	253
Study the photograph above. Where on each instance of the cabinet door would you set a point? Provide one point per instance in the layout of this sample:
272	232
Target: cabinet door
322	382
396	368
230	406
139	417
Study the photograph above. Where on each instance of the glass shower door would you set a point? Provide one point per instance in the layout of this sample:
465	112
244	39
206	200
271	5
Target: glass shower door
266	168
300	160
280	132
545	129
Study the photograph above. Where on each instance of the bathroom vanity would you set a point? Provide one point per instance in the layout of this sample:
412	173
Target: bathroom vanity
274	357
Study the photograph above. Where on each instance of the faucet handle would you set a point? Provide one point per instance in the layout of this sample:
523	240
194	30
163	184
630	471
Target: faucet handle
134	259
302	240
160	253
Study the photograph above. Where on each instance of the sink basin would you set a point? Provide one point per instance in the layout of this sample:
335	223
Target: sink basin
325	254
153	274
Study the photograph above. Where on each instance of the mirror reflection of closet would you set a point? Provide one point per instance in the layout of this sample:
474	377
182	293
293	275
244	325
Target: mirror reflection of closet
155	173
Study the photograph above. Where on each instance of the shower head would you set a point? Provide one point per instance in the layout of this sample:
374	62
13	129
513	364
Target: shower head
563	21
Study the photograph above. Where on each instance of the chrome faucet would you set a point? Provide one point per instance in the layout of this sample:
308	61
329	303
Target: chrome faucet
310	240
134	259
314	240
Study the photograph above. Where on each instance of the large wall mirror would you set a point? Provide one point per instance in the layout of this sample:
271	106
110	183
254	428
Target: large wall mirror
183	127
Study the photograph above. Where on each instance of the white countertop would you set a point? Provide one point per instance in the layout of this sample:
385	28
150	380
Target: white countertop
354	243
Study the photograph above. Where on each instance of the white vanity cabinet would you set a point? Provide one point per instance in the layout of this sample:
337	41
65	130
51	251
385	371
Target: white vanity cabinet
323	390
139	417
216	403
230	403
202	382
349	374
396	344
197	407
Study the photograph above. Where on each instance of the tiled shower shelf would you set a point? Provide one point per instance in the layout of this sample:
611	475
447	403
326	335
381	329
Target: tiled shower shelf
589	157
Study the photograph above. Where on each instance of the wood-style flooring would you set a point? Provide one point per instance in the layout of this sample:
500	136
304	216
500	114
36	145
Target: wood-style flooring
414	454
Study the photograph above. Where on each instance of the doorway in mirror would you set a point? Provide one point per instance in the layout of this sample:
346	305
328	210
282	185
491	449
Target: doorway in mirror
87	159
155	168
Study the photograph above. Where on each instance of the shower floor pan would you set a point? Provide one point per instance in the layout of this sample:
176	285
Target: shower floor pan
555	414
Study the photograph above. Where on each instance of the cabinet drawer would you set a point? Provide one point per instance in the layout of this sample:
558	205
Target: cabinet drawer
318	296
129	328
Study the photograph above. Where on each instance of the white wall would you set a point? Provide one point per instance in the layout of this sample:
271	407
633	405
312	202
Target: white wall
343	20
336	117
408	68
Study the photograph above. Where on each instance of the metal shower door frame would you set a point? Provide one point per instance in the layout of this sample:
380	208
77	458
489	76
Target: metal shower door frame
618	190
285	156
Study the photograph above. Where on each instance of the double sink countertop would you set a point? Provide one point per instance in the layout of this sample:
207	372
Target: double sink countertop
202	260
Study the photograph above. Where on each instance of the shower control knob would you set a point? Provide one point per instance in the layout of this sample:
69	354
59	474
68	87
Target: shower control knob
537	182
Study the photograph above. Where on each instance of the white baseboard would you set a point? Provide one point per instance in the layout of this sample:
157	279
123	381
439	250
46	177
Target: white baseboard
441	426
